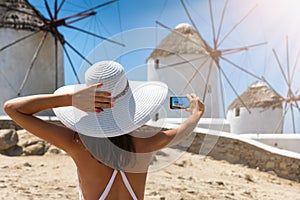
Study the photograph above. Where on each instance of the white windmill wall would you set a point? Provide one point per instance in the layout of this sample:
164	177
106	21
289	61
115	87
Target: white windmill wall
176	77
260	120
15	60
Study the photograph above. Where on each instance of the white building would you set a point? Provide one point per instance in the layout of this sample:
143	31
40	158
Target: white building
17	20
182	62
265	114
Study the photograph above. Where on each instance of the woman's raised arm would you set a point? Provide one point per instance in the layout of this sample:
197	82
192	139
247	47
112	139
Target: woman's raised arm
21	110
175	136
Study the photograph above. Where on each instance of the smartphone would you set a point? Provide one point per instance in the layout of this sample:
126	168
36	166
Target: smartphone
179	102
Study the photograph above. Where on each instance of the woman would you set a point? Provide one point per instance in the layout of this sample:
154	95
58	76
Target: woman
101	118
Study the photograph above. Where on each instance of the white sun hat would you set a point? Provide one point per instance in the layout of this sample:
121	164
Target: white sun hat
135	102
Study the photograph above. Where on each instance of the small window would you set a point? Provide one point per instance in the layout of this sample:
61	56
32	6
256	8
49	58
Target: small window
237	112
156	64
209	89
156	117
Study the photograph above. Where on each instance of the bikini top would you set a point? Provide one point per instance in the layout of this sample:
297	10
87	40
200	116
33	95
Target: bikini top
109	185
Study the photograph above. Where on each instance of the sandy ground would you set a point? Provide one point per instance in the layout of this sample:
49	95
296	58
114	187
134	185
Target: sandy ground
190	177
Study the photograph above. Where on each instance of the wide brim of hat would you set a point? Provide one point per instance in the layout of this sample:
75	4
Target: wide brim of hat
128	113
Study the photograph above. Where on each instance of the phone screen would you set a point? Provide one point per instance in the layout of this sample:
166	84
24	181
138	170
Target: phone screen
179	102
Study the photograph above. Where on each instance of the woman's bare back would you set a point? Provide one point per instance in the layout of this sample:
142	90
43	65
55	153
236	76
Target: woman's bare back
94	176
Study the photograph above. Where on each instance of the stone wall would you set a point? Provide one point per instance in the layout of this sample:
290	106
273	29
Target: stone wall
240	152
9	124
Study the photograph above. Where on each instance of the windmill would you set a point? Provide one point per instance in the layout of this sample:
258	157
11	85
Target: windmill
216	57
292	97
216	54
29	34
269	108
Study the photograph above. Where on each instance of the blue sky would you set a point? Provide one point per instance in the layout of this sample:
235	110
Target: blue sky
271	21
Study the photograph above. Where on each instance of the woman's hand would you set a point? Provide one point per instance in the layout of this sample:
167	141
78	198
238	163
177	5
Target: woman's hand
196	105
91	100
175	136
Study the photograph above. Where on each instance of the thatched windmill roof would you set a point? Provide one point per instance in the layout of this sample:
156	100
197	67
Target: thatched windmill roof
183	40
19	14
258	95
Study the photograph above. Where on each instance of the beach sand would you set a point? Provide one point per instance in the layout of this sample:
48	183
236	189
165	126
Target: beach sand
190	177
